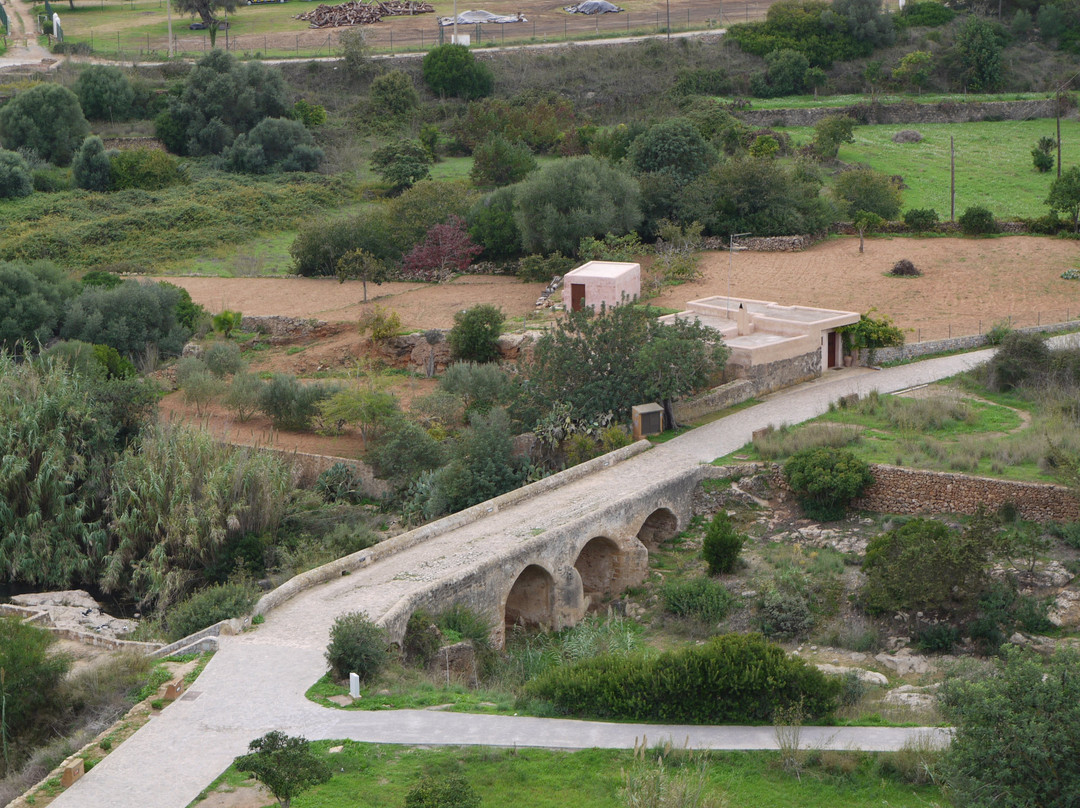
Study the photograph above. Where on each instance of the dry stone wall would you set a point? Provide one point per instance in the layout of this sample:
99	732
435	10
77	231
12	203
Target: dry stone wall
943	112
917	349
901	490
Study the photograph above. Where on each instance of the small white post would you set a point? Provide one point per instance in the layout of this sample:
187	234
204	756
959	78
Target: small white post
354	685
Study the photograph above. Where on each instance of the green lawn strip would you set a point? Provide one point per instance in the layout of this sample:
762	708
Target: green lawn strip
380	776
1013	189
266	255
827	101
414	694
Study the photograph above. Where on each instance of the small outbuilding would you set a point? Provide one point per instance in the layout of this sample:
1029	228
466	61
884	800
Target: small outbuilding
597	283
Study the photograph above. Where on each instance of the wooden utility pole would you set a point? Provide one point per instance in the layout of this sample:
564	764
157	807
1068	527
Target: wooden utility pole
1057	109
952	180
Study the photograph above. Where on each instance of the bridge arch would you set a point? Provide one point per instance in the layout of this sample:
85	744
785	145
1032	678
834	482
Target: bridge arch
531	599
659	526
600	564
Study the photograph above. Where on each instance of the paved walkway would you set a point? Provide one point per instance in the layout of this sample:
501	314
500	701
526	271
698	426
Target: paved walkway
256	682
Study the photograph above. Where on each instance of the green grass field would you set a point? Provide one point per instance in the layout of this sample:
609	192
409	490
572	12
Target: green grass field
379	776
993	163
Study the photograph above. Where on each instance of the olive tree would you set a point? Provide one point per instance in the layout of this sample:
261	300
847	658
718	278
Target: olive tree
46	118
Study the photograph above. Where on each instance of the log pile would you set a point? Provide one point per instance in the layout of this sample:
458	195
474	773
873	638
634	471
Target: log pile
358	13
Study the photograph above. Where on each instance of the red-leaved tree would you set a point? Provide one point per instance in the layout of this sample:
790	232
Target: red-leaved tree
446	249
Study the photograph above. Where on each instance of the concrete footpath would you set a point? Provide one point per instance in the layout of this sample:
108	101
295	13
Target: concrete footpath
257	680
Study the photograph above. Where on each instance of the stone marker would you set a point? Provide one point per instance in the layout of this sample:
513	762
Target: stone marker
72	772
354	685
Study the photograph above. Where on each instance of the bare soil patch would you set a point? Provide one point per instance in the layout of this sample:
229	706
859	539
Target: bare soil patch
420	305
966	283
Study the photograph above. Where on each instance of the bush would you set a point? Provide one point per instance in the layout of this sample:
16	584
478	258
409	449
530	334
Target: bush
401	164
33	297
921	220
544	122
924	564
274	143
128	318
221	99
403	451
223	358
977	221
339	483
243	396
905	269
380	323
825	480
541	269
927	13
673	147
452	70
492	225
977	54
722	544
462	622
289	404
357	646
444	791
700	598
446	249
785	614
15	178
51	180
147	169
310	115
104	93
475	335
571	199
498	162
393	93
46	118
284	764
91	167
209	606
321	243
479	386
731	679
937	639
863	189
411	215
422	640
226	321
1015	733
32	673
1019	358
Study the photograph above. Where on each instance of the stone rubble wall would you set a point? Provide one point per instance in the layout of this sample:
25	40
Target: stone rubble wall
917	491
917	349
306	469
943	112
766	243
278	326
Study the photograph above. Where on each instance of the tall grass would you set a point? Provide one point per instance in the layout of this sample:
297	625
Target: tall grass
787	440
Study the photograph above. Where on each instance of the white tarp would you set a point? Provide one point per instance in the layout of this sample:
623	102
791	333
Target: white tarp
480	17
593	7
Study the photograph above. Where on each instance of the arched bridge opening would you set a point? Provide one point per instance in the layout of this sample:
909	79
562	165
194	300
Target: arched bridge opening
658	527
601	567
531	600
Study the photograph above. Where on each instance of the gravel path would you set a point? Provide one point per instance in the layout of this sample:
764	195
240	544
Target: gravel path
256	682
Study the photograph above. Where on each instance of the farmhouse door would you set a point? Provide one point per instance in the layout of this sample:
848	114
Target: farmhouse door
577	296
831	337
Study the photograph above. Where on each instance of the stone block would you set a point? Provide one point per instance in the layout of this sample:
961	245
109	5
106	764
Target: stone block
72	772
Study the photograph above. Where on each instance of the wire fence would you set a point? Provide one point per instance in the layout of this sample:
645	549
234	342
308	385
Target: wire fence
974	325
404	36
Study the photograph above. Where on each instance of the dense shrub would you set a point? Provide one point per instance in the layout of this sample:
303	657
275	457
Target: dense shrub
865	190
763	197
925	564
920	220
700	598
209	606
722	544
223	358
148	169
926	13
497	162
289	404
129	318
939	638
274	143
977	221
401	164
905	269
339	483
784	614
479	386
357	646
422	639
412	214
32	673
50	179
221	98
786	74
830	133
825	480
1019	358
800	26
99	361
492	225
977	53
1015	742
475	334
446	249
863	21
104	92
15	178
403	451
673	147
571	199
91	168
444	791
543	269
33	297
544	122
46	118
321	243
393	93
452	70
731	679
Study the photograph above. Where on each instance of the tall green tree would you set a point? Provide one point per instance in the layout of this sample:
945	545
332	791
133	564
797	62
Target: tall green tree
977	53
1065	195
46	118
284	764
32	302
